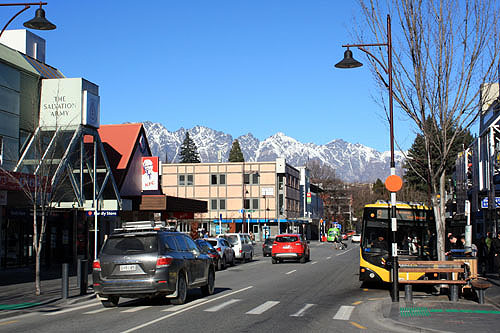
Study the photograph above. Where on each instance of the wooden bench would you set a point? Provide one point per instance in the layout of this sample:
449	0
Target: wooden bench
456	272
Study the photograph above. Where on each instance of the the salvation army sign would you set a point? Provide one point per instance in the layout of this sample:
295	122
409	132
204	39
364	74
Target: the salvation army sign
65	102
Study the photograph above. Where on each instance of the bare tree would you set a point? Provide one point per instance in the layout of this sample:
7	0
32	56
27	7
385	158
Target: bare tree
443	50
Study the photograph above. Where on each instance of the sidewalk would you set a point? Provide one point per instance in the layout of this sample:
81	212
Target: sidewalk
17	289
430	313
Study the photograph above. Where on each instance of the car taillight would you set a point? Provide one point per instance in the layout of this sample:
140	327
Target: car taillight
212	255
218	249
241	251
163	262
96	266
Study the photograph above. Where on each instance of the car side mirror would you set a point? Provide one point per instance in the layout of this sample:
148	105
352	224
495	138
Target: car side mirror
253	243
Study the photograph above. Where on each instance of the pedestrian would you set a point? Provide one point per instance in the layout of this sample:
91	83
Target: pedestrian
495	251
482	256
453	245
489	260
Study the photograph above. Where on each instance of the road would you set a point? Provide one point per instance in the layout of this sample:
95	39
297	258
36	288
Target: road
323	294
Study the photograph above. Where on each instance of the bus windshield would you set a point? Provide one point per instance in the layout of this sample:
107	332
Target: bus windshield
415	235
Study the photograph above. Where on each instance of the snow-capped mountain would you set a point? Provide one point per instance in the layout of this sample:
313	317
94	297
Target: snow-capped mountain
351	162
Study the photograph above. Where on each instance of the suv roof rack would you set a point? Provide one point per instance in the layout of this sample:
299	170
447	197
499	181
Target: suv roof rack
143	226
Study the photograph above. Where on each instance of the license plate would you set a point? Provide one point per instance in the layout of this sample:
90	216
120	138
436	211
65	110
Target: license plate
286	246
127	268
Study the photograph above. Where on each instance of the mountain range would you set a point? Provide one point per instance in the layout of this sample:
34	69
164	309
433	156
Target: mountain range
351	162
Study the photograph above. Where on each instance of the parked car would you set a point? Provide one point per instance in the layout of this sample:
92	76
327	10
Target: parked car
290	246
356	238
344	236
267	247
225	250
144	259
241	244
207	248
350	232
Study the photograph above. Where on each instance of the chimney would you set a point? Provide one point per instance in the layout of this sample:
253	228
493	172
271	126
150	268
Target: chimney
25	42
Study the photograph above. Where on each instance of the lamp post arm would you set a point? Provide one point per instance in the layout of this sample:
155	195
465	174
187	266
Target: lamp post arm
13	17
375	58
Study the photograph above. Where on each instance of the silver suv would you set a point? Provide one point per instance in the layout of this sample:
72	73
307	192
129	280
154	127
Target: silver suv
143	259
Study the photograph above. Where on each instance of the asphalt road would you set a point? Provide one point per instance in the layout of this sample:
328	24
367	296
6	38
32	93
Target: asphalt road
321	295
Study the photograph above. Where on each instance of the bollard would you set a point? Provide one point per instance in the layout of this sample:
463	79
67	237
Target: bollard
454	293
65	280
408	293
78	273
84	276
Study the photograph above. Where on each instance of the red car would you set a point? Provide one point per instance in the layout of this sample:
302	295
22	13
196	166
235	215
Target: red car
290	246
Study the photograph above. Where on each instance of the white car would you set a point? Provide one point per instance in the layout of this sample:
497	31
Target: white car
356	238
241	244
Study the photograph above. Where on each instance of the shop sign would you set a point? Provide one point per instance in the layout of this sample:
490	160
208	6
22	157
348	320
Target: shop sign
102	213
150	173
484	202
16	181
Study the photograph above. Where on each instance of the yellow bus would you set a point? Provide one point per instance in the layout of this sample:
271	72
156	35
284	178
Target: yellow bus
416	235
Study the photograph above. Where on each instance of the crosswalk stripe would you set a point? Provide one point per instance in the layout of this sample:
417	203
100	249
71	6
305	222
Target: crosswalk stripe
71	309
263	307
136	308
97	311
180	307
314	262
223	305
328	258
344	313
291	272
301	312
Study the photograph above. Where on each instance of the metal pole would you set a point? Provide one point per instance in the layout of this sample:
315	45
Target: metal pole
394	226
65	281
94	198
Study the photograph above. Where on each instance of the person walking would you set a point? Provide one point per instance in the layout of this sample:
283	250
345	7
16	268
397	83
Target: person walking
489	259
495	252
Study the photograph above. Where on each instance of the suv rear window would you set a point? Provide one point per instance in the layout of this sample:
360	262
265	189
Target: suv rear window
287	239
130	245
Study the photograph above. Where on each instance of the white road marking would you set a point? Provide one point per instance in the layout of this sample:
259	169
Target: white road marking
328	258
137	308
180	307
263	307
345	251
344	313
301	312
221	306
97	311
314	262
291	272
72	309
184	309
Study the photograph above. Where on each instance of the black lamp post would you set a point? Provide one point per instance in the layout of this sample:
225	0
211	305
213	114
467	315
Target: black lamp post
39	22
350	62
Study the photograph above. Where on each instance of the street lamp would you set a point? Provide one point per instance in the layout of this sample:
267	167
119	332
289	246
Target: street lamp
393	183
39	22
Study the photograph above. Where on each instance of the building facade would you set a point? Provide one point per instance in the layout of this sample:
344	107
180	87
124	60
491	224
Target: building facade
261	197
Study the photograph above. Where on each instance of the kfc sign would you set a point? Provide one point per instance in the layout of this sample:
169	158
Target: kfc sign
150	173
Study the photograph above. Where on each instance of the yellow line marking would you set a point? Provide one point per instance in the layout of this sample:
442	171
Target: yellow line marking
357	302
376	298
358	325
9	322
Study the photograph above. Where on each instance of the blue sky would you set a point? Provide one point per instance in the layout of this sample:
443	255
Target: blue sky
236	66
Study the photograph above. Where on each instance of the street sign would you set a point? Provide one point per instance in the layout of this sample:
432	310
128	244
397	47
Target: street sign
484	202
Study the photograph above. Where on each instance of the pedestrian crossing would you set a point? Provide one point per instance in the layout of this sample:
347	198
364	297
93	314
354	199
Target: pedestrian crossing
343	312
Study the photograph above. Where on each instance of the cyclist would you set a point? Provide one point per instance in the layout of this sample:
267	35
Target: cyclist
336	237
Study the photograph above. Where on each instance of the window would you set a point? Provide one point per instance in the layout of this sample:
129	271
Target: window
182	180
190	243
213	179
181	242
130	245
169	242
255	203
213	204
246	204
222	179
222	203
255	178
246	178
189	180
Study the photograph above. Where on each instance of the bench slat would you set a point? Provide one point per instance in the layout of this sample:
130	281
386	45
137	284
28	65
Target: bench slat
432	281
431	270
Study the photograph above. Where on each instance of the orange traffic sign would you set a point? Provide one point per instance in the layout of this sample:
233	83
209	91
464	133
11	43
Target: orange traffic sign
393	183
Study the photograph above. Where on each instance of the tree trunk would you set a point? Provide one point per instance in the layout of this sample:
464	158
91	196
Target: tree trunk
440	217
36	248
